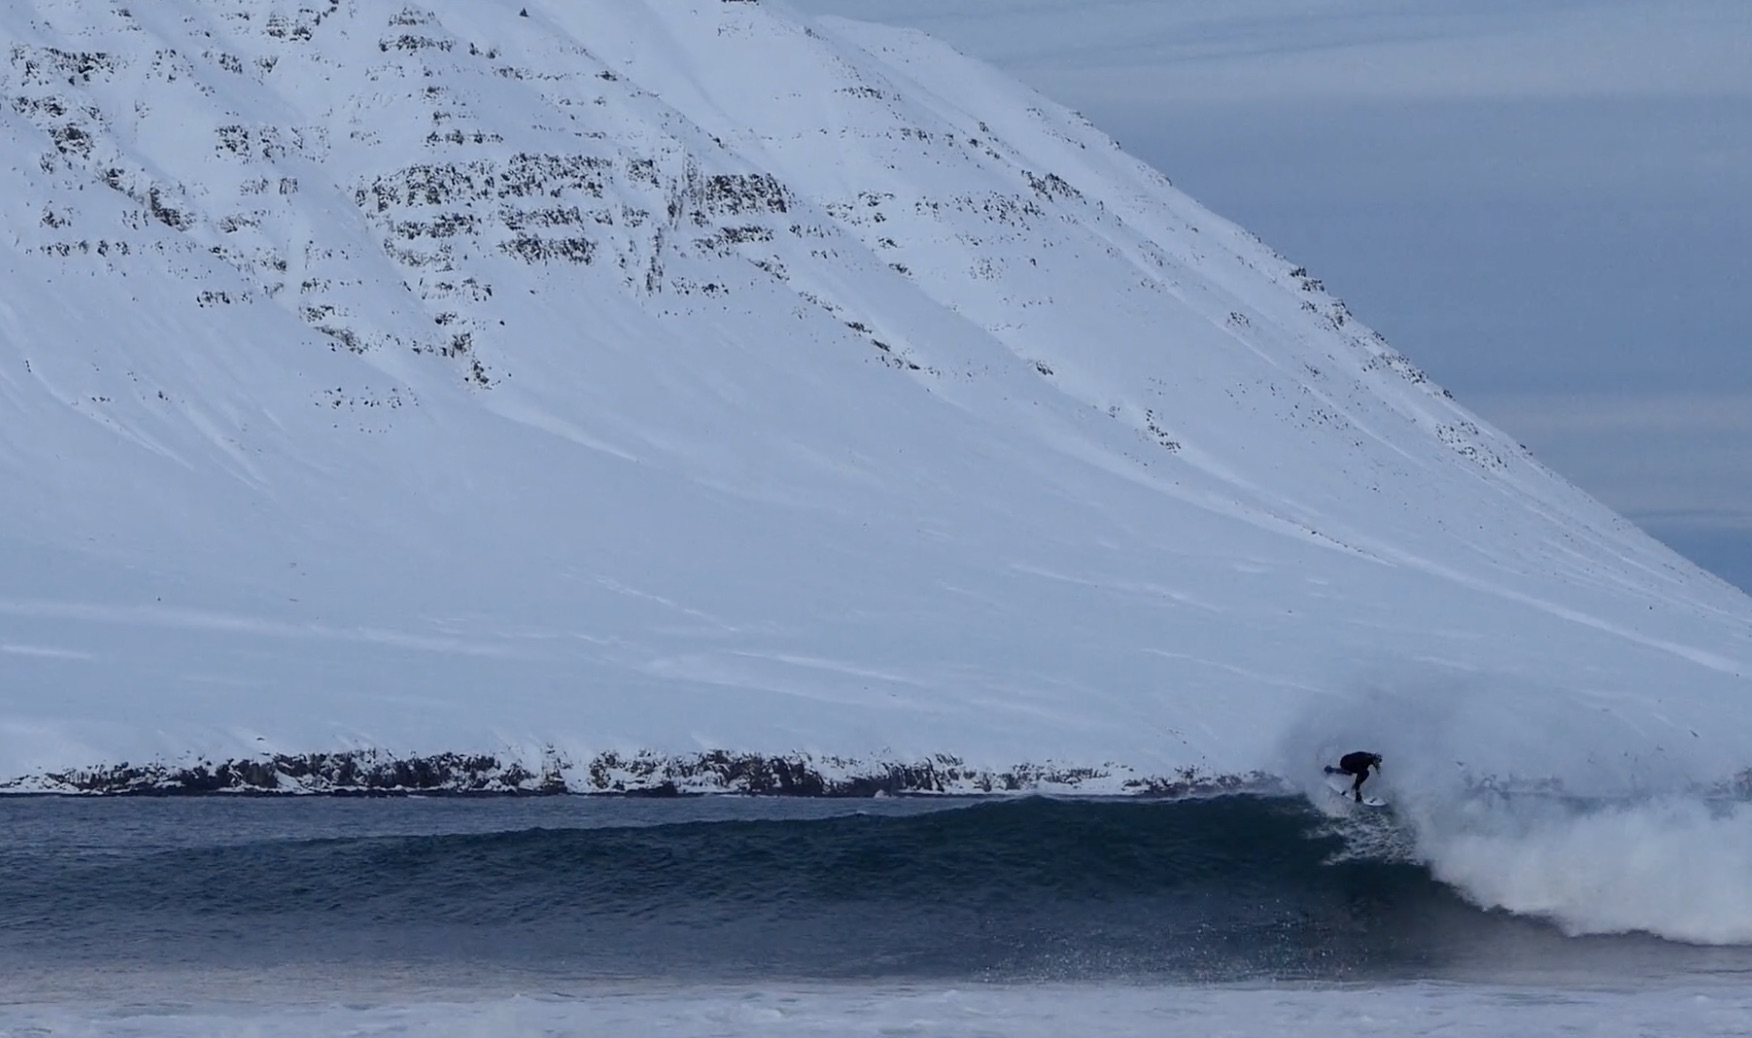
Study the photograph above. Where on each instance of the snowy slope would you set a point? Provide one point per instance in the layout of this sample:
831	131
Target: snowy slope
686	376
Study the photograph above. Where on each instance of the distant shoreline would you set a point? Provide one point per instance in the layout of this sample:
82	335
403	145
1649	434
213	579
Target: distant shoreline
371	773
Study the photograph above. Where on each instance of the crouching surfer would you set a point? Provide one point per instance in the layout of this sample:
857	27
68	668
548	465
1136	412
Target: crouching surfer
1356	764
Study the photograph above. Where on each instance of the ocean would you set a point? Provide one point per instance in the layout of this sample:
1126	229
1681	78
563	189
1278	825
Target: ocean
1237	915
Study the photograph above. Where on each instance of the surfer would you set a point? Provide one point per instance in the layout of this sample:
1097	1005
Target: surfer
1357	764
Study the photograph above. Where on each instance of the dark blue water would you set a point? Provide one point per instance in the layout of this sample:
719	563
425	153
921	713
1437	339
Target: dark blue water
1232	888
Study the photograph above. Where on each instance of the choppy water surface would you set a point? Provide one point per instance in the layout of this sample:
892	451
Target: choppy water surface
204	902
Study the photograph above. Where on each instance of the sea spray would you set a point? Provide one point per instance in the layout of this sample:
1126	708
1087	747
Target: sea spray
1676	867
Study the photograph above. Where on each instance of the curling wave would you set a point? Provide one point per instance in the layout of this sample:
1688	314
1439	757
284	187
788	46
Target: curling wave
1223	888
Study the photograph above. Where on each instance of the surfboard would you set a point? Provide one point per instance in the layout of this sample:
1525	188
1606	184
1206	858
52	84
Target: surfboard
1340	784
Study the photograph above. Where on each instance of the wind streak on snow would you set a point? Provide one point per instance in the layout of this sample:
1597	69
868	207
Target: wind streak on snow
232	623
1701	657
535	418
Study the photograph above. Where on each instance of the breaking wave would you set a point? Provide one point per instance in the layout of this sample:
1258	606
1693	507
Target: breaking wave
1224	888
1676	867
1525	805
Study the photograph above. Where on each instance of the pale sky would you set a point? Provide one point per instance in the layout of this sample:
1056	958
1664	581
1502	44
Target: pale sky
1546	204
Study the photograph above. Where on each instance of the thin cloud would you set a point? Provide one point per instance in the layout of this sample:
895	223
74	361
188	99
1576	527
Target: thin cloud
1685	414
1262	50
1674	460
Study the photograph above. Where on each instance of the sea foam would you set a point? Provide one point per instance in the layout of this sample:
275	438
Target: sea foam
1408	1010
1679	868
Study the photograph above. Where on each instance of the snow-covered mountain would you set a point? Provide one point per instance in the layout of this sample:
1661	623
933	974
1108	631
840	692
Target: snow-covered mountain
612	393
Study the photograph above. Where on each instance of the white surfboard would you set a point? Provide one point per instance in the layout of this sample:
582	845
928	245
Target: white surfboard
1340	784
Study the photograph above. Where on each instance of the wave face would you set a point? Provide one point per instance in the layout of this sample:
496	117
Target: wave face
1226	888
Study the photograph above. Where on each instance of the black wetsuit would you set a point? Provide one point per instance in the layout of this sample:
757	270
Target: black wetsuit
1358	764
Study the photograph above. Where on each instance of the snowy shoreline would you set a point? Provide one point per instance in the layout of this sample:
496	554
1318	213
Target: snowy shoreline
372	773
